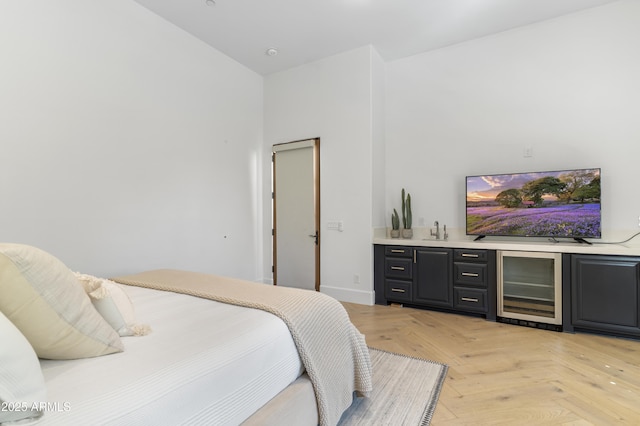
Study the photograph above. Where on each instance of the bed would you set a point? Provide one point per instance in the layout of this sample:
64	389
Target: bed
217	351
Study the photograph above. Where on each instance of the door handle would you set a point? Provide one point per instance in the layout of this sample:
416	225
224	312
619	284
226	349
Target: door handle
314	236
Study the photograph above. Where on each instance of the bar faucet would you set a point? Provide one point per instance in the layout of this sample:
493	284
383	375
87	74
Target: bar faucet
437	234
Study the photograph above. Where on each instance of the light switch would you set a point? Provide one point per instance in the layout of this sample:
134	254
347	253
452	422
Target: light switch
335	225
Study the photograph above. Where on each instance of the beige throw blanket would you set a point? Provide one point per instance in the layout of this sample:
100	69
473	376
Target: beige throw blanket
332	350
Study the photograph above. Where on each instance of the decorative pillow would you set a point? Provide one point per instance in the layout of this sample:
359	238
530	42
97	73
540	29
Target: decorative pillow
114	304
42	298
21	383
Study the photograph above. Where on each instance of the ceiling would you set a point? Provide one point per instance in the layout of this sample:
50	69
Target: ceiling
304	31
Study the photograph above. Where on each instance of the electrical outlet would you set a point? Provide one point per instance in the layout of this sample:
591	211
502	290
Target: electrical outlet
356	279
527	151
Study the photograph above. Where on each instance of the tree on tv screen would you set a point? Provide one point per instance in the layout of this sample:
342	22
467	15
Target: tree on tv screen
548	185
591	191
581	184
510	198
577	186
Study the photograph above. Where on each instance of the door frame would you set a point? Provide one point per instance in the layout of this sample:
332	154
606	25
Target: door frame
304	143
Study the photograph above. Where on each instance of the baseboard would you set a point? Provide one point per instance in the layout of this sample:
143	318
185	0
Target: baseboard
349	295
342	294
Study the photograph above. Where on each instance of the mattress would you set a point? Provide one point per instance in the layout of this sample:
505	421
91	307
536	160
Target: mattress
204	363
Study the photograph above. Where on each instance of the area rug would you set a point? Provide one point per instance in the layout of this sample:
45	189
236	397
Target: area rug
405	392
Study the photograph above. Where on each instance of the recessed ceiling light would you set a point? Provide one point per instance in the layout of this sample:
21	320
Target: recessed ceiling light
210	2
272	51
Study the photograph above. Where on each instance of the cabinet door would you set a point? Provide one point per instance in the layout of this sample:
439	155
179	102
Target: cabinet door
433	284
606	293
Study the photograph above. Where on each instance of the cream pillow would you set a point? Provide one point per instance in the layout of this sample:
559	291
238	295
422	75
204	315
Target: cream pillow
22	387
114	304
42	298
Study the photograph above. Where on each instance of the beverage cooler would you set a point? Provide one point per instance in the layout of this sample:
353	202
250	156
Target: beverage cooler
530	288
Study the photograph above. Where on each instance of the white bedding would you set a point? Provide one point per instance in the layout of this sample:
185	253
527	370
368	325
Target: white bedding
204	363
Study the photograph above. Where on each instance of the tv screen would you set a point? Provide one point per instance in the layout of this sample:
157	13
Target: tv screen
563	203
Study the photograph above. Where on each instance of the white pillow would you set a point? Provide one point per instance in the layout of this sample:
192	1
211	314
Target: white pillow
42	298
21	383
114	304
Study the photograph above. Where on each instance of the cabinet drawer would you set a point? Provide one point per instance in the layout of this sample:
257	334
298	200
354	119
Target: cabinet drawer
470	273
470	255
398	251
397	267
398	291
470	299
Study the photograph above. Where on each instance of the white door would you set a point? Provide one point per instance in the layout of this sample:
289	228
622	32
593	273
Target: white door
296	240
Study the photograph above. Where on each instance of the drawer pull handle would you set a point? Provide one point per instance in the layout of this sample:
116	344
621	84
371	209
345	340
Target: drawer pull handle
397	268
470	274
397	290
469	255
470	299
397	251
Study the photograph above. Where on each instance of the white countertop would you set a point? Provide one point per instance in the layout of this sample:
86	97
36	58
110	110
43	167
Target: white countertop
421	239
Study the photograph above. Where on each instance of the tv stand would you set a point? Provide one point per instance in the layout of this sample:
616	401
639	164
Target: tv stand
599	286
479	237
582	241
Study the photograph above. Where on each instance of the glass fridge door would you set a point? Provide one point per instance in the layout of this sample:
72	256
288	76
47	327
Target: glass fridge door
530	286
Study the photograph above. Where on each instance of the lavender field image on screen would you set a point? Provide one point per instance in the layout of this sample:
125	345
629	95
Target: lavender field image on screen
550	204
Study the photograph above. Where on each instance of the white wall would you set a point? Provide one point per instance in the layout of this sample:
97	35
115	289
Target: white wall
378	90
568	88
331	99
127	144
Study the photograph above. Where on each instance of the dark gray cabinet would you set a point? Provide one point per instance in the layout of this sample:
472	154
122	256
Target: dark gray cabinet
451	279
393	275
474	285
600	293
433	282
605	294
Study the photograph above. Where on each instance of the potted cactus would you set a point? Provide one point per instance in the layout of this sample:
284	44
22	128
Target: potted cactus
407	232
395	225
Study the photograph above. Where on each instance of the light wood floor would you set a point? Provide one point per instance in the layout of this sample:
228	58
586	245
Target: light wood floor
501	374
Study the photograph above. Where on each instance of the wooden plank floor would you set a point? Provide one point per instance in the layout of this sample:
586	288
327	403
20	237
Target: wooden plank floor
502	374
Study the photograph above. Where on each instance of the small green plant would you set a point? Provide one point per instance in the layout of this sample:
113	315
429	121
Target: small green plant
395	220
406	210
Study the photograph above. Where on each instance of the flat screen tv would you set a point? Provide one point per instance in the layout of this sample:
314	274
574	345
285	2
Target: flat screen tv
563	203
